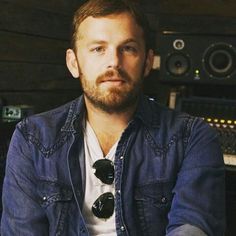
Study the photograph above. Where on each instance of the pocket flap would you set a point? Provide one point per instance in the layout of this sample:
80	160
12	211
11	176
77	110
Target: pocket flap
50	192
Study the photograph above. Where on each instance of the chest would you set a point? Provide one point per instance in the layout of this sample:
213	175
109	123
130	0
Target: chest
106	141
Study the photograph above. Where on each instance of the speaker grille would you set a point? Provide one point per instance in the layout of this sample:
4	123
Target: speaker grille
178	64
219	60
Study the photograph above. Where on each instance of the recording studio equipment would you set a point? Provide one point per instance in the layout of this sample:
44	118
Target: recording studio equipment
220	114
16	112
200	59
197	42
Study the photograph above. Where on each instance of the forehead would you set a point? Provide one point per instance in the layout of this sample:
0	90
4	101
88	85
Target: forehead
113	27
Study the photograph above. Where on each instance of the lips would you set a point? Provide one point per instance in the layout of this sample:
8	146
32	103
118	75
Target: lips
113	77
112	80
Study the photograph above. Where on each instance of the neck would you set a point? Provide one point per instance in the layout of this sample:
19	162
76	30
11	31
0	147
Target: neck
111	122
108	127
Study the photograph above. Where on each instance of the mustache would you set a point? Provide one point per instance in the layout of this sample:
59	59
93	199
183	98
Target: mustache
109	74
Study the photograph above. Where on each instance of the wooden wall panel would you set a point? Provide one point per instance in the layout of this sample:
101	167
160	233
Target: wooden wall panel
31	21
40	100
193	7
61	6
24	48
198	7
206	16
197	24
34	36
25	77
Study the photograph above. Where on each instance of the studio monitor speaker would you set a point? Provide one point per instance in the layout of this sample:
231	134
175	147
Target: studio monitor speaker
197	58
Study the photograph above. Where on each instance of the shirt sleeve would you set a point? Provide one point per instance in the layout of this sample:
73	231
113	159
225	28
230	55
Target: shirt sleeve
199	193
22	213
188	230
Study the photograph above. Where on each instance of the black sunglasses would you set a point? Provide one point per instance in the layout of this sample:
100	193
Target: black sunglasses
103	207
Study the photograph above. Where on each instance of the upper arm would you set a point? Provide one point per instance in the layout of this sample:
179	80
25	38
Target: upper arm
199	190
22	213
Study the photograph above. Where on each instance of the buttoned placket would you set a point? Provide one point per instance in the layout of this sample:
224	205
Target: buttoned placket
122	149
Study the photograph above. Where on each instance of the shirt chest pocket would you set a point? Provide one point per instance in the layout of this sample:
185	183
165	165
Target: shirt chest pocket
51	192
56	200
153	202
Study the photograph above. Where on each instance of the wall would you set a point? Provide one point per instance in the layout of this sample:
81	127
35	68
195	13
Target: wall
33	37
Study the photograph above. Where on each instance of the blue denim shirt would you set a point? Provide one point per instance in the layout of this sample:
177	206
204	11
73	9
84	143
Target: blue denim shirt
169	175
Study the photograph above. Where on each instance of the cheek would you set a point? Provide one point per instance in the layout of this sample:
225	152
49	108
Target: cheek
90	67
87	69
135	67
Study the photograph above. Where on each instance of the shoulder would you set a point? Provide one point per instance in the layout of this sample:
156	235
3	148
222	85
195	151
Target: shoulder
166	118
52	123
172	123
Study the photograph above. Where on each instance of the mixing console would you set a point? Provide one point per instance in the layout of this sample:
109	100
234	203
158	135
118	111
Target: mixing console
221	115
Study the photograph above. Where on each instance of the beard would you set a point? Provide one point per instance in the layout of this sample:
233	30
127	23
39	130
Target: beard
114	99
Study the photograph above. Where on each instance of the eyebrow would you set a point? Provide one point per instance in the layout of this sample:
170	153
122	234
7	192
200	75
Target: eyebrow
97	42
130	40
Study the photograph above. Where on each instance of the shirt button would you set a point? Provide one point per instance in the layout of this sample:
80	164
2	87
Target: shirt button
118	191
44	198
122	228
163	200
121	157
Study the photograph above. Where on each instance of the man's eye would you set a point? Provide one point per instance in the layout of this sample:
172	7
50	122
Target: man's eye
98	49
129	49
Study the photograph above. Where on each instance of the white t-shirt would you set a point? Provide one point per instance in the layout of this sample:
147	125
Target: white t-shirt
94	186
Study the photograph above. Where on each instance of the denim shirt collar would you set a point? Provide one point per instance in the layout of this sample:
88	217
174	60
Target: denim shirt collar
147	113
75	115
144	112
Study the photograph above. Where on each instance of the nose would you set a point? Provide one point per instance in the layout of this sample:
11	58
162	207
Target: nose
114	59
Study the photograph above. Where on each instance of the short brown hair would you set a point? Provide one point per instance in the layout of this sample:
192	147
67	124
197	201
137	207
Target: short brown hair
100	8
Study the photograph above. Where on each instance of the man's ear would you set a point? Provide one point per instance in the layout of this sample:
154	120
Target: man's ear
149	62
72	63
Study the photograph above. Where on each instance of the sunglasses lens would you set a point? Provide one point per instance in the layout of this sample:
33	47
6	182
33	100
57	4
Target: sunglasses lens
104	170
103	207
